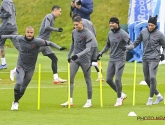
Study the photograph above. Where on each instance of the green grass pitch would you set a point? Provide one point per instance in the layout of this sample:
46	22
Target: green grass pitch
51	113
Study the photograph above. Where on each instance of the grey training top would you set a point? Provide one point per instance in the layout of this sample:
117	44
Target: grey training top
29	50
47	26
115	42
81	44
8	16
151	44
89	25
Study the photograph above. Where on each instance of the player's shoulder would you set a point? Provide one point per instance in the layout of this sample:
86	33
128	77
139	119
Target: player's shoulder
123	32
145	30
7	1
87	21
74	31
110	32
49	16
86	30
159	33
38	39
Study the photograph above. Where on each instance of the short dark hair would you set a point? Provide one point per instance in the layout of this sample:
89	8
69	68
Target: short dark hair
77	19
75	15
29	27
56	7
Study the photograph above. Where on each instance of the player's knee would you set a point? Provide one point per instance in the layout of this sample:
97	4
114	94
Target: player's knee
22	91
17	86
117	81
147	80
53	57
109	80
2	51
152	80
16	90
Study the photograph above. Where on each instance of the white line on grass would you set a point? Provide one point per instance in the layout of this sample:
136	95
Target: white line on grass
66	86
36	87
44	71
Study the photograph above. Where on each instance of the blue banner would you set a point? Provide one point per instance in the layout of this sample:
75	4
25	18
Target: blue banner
140	10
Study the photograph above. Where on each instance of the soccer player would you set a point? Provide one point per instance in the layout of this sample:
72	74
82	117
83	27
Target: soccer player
45	32
80	47
152	39
94	48
8	27
28	53
117	38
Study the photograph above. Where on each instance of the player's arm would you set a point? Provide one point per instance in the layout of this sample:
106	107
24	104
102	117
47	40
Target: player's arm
162	43
93	28
71	48
88	47
49	43
7	12
126	38
106	47
42	42
8	36
128	41
136	43
50	28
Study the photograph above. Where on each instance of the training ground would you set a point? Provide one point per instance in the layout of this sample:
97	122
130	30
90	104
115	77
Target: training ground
51	113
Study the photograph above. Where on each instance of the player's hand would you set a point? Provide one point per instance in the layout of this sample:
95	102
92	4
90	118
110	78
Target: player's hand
60	29
123	48
98	56
161	57
62	48
74	57
69	60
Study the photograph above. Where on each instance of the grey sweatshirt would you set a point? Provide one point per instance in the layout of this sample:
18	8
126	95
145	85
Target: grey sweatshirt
89	25
115	42
47	26
8	16
81	44
151	44
29	50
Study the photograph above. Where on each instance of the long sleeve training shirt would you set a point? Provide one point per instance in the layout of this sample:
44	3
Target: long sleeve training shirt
47	26
29	50
81	44
8	16
152	41
115	42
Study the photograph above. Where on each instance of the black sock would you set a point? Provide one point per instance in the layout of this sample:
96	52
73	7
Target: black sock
20	96
97	69
16	95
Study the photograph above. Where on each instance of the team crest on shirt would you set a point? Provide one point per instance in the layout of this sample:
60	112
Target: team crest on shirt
154	36
18	67
82	37
32	46
118	37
